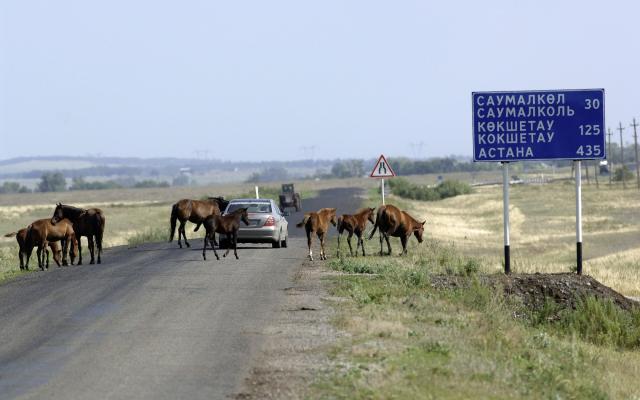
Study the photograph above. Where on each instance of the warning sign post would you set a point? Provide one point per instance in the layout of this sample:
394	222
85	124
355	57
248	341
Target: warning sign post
382	170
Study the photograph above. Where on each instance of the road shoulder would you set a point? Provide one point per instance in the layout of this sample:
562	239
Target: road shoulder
295	348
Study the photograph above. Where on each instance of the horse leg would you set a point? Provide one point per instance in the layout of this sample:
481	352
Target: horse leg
79	250
180	234
98	245
197	226
339	236
65	250
381	239
228	245
349	242
235	244
403	241
20	255
386	237
361	244
28	256
204	248
39	254
309	243
46	252
214	248
184	234
323	256
91	249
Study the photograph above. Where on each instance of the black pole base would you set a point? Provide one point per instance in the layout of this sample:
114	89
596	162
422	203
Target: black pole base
579	257
507	260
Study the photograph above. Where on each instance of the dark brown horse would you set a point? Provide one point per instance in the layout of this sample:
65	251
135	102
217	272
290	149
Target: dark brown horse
318	223
42	232
89	223
391	221
224	225
56	249
355	224
195	211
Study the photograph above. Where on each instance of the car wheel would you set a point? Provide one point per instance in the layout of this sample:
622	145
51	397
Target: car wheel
276	244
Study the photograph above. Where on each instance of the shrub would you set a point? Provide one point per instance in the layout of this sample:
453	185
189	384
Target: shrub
449	188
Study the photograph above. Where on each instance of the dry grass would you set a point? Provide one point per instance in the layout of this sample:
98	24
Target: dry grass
543	230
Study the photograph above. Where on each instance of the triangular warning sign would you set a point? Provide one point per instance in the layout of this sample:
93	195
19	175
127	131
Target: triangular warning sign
382	169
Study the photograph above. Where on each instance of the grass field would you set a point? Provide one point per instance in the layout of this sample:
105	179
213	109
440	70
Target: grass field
405	339
543	230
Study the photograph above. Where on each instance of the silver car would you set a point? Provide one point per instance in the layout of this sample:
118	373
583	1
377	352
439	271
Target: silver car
268	223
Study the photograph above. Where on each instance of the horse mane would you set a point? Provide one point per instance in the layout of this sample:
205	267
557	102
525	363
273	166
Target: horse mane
326	210
71	209
413	220
363	210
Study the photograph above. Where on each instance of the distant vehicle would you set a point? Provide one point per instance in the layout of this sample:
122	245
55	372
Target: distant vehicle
268	222
289	197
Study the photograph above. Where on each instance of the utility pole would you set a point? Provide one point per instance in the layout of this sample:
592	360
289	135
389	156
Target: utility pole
624	183
610	161
635	144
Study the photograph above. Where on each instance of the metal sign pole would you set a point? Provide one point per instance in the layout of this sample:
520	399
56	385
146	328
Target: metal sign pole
382	189
257	193
505	205
579	216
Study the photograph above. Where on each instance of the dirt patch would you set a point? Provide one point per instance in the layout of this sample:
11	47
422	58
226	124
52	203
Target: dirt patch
535	289
298	339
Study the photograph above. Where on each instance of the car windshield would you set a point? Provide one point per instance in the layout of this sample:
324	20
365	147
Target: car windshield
253	207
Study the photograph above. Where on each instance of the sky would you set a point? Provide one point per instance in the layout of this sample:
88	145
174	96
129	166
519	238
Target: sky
285	80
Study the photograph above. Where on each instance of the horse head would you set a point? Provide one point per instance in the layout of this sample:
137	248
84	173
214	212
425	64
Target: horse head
334	219
244	216
58	214
418	230
370	216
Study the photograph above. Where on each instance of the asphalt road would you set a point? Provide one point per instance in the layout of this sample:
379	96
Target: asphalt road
154	322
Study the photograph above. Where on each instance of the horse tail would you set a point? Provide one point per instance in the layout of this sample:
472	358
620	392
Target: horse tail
304	221
378	220
174	218
12	234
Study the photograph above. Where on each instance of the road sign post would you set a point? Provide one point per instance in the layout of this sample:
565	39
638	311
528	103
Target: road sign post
539	125
578	216
505	207
382	170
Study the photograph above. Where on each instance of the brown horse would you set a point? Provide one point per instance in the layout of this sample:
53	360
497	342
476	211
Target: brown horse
56	249
355	223
224	225
391	221
318	223
41	232
195	211
89	223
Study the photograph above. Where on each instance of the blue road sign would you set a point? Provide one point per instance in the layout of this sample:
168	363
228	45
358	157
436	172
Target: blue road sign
538	125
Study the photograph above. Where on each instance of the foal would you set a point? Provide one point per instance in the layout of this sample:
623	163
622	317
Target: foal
318	223
41	232
227	224
21	238
355	223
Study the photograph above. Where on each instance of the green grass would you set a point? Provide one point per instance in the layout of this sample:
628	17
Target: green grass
157	234
10	264
409	340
